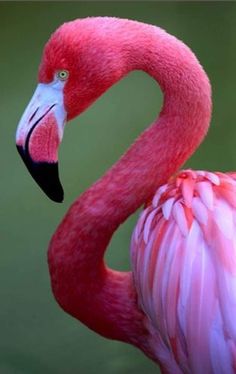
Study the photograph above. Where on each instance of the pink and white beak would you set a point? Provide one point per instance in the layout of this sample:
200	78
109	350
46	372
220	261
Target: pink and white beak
39	134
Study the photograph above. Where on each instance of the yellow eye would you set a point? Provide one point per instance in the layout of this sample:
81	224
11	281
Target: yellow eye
62	75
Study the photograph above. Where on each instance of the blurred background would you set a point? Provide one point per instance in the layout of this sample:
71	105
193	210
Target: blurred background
36	335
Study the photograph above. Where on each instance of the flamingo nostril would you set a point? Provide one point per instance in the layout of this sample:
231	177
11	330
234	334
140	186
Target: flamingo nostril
35	124
33	115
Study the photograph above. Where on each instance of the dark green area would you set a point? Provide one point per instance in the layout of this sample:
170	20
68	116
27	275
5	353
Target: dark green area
36	335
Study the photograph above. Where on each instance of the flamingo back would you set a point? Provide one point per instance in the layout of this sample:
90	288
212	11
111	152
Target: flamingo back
183	255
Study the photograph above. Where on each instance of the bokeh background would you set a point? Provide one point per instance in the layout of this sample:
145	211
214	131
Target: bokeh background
36	335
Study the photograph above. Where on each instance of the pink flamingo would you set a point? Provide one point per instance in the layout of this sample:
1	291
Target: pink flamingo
178	305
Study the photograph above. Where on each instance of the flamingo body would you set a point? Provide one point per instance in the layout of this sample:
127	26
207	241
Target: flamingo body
184	260
178	303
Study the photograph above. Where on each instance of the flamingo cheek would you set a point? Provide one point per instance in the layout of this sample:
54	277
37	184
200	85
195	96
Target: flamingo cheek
44	141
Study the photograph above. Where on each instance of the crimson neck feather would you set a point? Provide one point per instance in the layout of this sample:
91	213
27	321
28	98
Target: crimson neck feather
103	299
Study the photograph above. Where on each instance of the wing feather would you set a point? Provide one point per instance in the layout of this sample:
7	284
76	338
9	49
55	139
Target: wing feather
184	265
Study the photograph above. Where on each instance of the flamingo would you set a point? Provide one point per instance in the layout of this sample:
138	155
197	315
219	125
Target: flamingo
178	304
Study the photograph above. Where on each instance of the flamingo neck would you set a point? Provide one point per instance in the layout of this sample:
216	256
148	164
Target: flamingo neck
103	299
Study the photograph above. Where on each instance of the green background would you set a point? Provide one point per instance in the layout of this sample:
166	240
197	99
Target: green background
36	335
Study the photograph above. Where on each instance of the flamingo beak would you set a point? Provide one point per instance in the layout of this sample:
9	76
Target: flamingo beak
38	136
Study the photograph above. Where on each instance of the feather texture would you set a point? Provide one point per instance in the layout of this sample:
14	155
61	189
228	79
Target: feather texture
184	263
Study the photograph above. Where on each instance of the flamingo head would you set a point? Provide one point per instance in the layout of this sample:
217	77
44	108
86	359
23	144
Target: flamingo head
77	66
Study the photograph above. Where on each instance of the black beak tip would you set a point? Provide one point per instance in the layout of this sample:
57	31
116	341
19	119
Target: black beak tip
57	194
46	176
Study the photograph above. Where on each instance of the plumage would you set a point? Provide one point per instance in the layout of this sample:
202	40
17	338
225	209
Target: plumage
178	304
186	278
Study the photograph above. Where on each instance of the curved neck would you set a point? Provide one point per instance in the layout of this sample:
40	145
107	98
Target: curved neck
103	299
178	130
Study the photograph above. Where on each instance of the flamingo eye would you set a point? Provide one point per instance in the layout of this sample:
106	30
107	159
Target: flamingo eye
62	74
